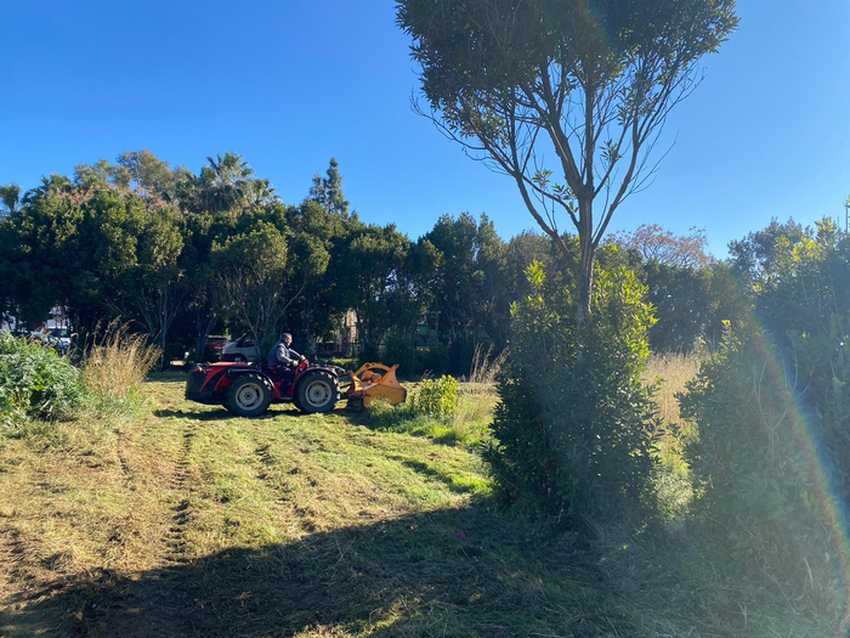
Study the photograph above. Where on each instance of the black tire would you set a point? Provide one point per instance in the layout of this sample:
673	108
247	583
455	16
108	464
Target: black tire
317	391
248	396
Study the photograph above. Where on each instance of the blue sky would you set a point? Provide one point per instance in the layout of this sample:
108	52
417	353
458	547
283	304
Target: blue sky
290	84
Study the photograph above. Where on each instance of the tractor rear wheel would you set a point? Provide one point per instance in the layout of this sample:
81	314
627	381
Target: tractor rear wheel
317	391
248	396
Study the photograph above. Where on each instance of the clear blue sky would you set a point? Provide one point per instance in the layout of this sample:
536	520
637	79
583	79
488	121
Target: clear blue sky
290	84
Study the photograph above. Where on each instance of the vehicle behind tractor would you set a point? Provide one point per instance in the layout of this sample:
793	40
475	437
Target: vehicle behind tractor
247	389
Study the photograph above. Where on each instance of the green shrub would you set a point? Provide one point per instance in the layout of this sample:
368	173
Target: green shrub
436	398
36	382
772	460
438	410
574	428
460	353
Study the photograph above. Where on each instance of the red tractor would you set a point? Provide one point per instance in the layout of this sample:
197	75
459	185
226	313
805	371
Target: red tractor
247	389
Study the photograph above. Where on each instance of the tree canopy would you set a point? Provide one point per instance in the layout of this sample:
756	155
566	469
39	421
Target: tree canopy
587	83
179	255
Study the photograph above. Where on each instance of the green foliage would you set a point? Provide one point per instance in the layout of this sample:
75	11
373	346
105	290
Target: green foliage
440	409
499	76
682	302
467	285
755	255
574	429
181	255
250	267
328	191
400	348
374	278
35	382
10	196
772	410
436	398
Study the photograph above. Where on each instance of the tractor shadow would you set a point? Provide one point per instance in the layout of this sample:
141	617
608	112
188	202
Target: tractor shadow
452	572
220	414
196	415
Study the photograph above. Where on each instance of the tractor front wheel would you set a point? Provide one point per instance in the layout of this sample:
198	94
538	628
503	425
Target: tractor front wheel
248	396
317	391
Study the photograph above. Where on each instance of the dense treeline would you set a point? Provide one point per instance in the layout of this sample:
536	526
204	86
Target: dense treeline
182	255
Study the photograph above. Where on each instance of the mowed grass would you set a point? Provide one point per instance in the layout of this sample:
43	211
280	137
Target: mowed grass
185	521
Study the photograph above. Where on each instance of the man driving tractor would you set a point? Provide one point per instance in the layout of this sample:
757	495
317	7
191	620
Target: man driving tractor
282	355
246	389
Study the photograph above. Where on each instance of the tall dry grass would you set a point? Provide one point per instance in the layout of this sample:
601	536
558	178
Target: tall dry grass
117	362
478	395
485	367
670	374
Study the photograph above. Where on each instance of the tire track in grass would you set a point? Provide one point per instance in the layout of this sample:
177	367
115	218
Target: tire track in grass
23	587
181	513
276	480
123	462
17	579
165	595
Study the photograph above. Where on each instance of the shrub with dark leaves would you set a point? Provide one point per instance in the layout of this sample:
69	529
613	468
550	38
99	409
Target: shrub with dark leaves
574	429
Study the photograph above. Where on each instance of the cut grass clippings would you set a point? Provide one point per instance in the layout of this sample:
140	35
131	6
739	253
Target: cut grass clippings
182	520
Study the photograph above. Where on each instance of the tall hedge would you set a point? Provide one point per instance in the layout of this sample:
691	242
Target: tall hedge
772	460
574	428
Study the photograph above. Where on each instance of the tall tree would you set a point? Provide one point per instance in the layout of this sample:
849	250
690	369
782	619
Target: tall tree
659	246
470	305
251	267
328	191
226	183
10	196
374	272
590	82
155	289
755	256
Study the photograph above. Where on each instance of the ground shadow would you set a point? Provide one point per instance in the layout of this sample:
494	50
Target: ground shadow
217	414
172	375
466	572
433	474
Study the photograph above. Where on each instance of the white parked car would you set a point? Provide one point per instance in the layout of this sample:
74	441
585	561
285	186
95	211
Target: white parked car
242	349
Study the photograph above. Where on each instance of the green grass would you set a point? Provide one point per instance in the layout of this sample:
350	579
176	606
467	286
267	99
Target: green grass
468	427
187	521
182	521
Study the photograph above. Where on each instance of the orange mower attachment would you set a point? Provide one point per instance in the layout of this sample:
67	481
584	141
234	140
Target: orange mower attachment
374	382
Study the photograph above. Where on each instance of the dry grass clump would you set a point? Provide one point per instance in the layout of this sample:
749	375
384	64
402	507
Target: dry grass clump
485	367
117	362
674	371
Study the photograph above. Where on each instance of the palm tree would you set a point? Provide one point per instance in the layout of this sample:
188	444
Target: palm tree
10	196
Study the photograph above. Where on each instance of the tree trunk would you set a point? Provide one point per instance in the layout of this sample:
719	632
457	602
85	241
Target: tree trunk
163	343
585	274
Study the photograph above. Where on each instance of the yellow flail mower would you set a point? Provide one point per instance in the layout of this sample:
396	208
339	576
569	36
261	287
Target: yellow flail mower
374	382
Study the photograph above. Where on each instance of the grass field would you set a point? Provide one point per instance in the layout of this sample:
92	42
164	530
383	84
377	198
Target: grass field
182	521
